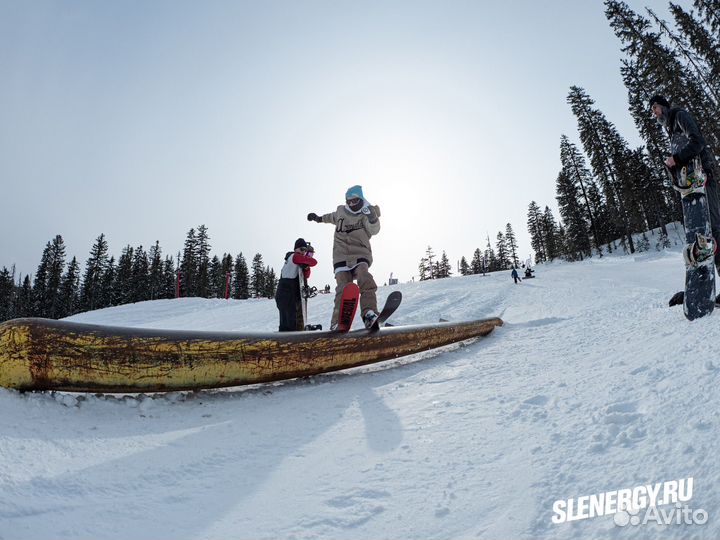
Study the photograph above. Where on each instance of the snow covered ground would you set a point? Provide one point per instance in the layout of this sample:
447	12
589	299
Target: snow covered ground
593	385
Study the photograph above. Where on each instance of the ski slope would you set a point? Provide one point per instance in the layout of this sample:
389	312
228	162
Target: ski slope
592	385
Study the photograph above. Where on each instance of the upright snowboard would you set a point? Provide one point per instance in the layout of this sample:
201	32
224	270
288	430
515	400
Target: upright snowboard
306	292
699	299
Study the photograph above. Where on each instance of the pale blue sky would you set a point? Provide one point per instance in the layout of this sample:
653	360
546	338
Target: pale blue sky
144	119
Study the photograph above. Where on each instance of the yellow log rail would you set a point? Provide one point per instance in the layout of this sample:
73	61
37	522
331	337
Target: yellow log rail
44	354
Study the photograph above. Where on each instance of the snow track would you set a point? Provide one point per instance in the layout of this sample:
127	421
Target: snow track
592	385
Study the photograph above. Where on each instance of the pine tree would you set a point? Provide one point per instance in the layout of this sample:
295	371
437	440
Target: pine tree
95	267
226	268
241	279
203	262
511	244
432	267
156	273
477	265
257	279
503	259
465	267
444	268
7	294
23	306
189	265
107	295
270	282
217	278
46	289
140	271
491	262
591	203
537	240
549	232
69	298
123	286
576	230
608	154
169	279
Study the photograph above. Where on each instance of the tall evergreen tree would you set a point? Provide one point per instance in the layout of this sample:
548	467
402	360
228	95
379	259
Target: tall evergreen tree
156	273
203	262
477	264
444	268
464	267
189	265
241	279
69	297
7	294
123	286
140	283
169	280
95	267
503	258
270	283
576	229
608	153
257	278
23	306
550	233
537	240
217	278
511	244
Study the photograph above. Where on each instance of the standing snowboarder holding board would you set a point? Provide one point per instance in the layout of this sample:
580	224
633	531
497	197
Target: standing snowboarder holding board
287	297
686	144
355	222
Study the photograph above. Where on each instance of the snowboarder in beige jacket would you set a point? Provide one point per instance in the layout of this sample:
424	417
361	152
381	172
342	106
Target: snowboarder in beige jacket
355	222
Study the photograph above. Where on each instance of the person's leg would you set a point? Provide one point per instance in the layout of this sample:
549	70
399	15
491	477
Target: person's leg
286	306
342	279
711	190
368	289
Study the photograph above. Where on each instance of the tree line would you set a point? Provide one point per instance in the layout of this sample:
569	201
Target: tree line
606	189
59	289
503	257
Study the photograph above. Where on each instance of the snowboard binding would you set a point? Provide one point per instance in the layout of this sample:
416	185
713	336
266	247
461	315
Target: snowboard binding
700	252
689	179
309	292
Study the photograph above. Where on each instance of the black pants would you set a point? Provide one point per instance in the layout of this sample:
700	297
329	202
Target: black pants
287	300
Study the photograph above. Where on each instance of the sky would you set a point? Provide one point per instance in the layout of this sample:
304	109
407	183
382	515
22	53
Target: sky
141	120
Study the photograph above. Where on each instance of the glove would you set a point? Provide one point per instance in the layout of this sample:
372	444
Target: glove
369	211
312	216
306	273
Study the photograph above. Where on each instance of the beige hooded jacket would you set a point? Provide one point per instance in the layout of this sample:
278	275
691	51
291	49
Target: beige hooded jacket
353	230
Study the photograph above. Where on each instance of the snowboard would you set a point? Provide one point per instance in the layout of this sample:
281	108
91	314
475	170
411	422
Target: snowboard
348	305
699	250
391	304
306	292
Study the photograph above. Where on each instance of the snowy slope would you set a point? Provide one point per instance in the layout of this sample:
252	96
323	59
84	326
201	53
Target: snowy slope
592	385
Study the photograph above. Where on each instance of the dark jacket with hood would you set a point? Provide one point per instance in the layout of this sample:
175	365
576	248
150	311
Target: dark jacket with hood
686	141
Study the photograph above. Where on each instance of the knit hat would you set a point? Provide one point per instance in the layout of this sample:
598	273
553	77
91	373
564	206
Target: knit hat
300	243
355	191
660	100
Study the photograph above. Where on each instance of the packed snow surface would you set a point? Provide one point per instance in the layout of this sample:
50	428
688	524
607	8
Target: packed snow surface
592	385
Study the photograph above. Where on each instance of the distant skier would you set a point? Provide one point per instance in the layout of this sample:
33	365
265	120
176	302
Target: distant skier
515	275
287	297
355	222
686	143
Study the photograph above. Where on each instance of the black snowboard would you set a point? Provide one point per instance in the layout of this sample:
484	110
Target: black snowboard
699	297
391	304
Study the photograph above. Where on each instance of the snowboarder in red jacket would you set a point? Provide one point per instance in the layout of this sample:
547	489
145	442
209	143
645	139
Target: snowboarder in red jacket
287	297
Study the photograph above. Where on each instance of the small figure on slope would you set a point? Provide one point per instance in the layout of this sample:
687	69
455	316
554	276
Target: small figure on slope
515	275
